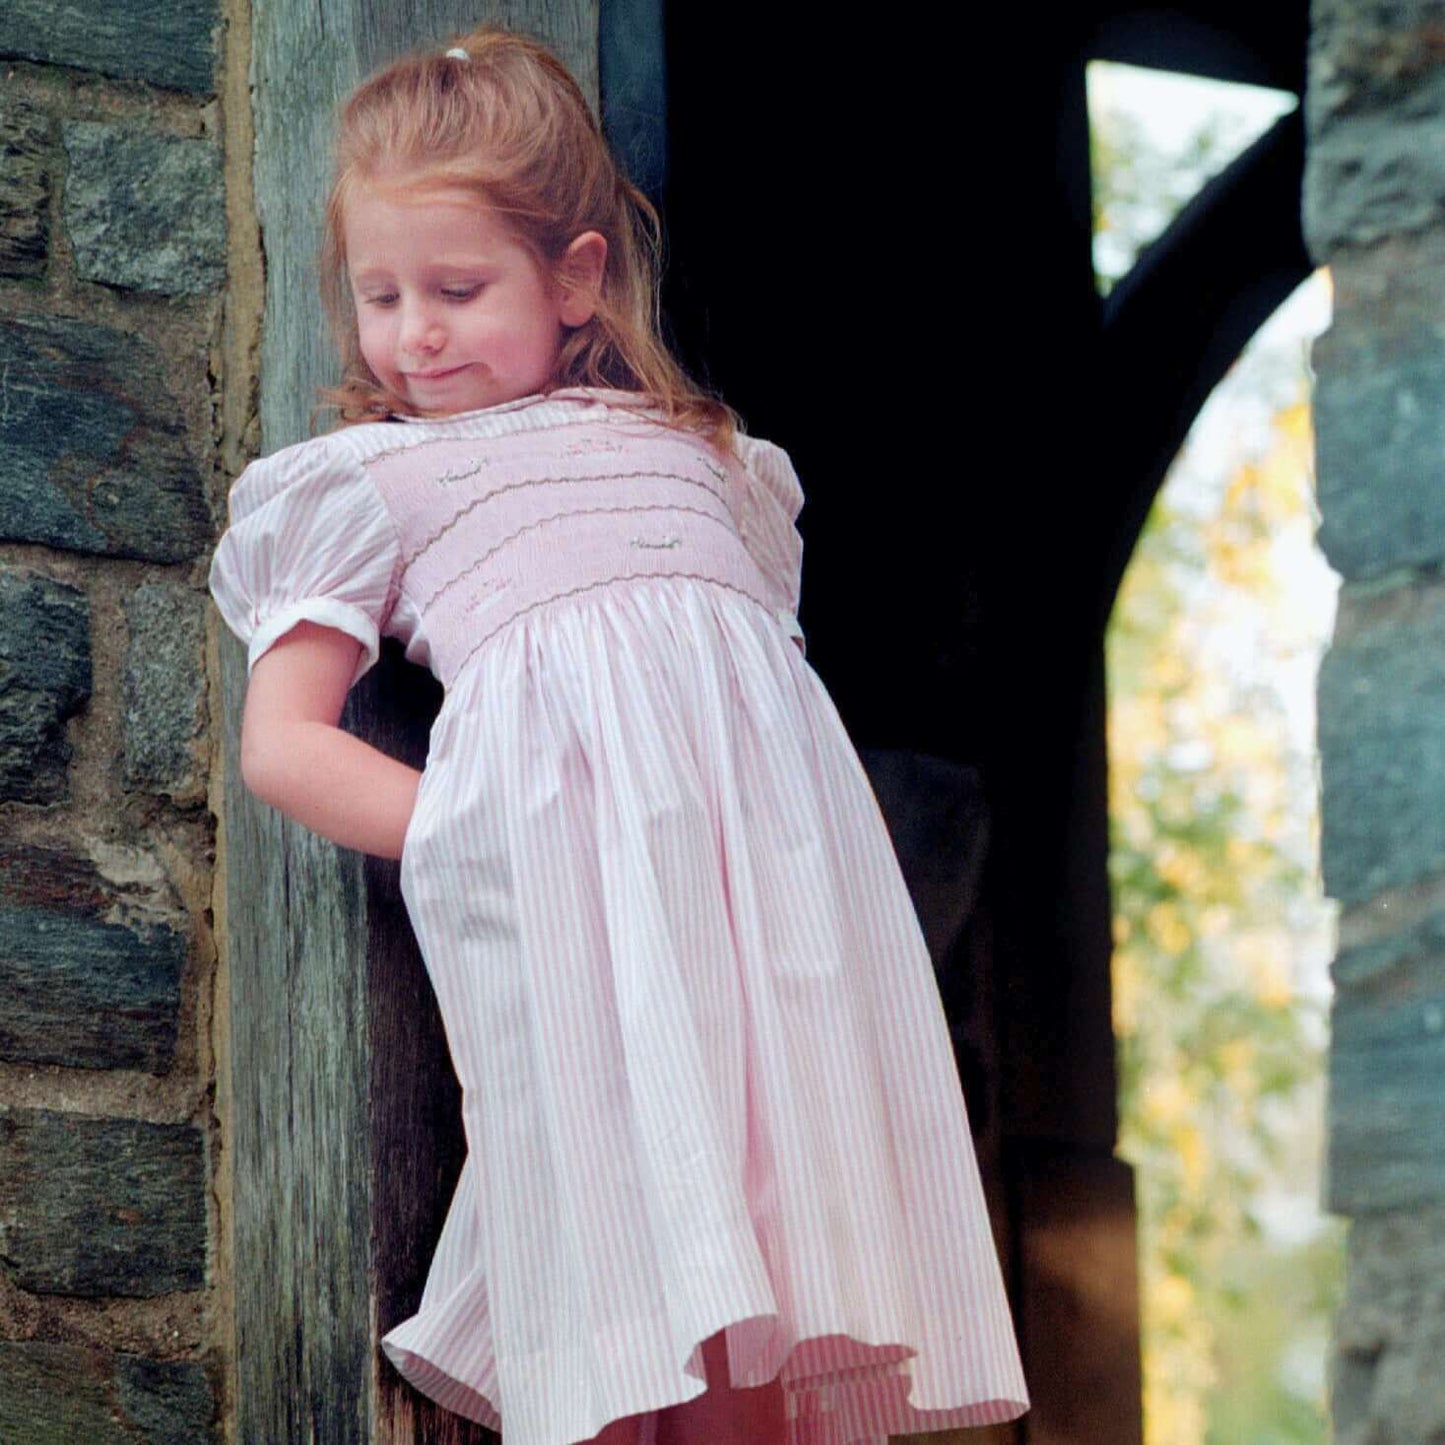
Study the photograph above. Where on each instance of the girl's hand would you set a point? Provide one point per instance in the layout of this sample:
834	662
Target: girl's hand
294	757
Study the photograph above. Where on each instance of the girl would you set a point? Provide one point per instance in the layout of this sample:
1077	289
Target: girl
720	1184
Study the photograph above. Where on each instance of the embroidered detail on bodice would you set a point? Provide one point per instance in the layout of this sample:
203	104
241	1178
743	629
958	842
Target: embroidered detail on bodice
492	527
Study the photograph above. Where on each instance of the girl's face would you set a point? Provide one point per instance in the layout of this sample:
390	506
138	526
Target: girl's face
452	310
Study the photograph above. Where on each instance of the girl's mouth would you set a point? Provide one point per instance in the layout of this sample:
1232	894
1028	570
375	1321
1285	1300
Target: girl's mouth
436	375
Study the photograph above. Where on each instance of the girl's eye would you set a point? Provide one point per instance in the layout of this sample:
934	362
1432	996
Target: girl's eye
382	298
461	293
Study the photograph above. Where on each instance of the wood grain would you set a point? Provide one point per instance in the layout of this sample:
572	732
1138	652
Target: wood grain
347	1140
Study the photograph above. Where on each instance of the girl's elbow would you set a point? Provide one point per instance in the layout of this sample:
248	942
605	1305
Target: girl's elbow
260	768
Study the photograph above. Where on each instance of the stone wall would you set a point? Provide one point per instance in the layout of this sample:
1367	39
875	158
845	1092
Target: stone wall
1375	210
125	388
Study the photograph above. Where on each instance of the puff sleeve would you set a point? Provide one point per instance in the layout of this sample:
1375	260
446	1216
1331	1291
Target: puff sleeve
772	499
309	541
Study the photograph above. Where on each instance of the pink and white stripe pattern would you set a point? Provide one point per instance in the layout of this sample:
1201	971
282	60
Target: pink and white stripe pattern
707	1079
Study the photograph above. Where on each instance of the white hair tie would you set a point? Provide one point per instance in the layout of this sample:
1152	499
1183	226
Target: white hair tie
457	53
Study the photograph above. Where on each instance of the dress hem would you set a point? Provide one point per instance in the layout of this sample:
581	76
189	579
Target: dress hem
862	1403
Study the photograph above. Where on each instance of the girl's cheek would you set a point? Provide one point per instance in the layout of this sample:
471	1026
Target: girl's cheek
372	336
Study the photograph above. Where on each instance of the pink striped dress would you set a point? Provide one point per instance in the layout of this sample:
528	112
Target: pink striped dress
707	1078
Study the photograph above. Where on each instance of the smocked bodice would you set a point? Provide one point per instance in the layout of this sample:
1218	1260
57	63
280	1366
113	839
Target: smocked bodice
492	528
440	532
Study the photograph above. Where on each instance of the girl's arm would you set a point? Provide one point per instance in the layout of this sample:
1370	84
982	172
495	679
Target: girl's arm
294	757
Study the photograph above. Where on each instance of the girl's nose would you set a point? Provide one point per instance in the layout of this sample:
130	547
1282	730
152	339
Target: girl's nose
421	333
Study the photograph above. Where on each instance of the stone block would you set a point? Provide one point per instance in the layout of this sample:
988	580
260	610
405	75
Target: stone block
1377	174
1388	1385
1399	956
90	971
1387	1106
24	190
173	45
99	1207
1382	752
93	453
145	211
1375	110
44	680
165	691
59	1394
1379	411
170	1401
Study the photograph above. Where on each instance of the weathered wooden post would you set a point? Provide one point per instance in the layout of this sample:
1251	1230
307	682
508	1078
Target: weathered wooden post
344	1114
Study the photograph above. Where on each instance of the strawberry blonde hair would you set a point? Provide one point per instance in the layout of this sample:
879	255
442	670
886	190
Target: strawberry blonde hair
510	124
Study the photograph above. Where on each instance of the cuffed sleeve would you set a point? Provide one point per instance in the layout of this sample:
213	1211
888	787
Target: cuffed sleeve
309	541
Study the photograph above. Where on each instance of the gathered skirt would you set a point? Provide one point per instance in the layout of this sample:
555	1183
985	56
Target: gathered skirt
707	1081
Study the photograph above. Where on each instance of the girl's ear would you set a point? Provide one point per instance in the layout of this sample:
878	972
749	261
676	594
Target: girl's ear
579	277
